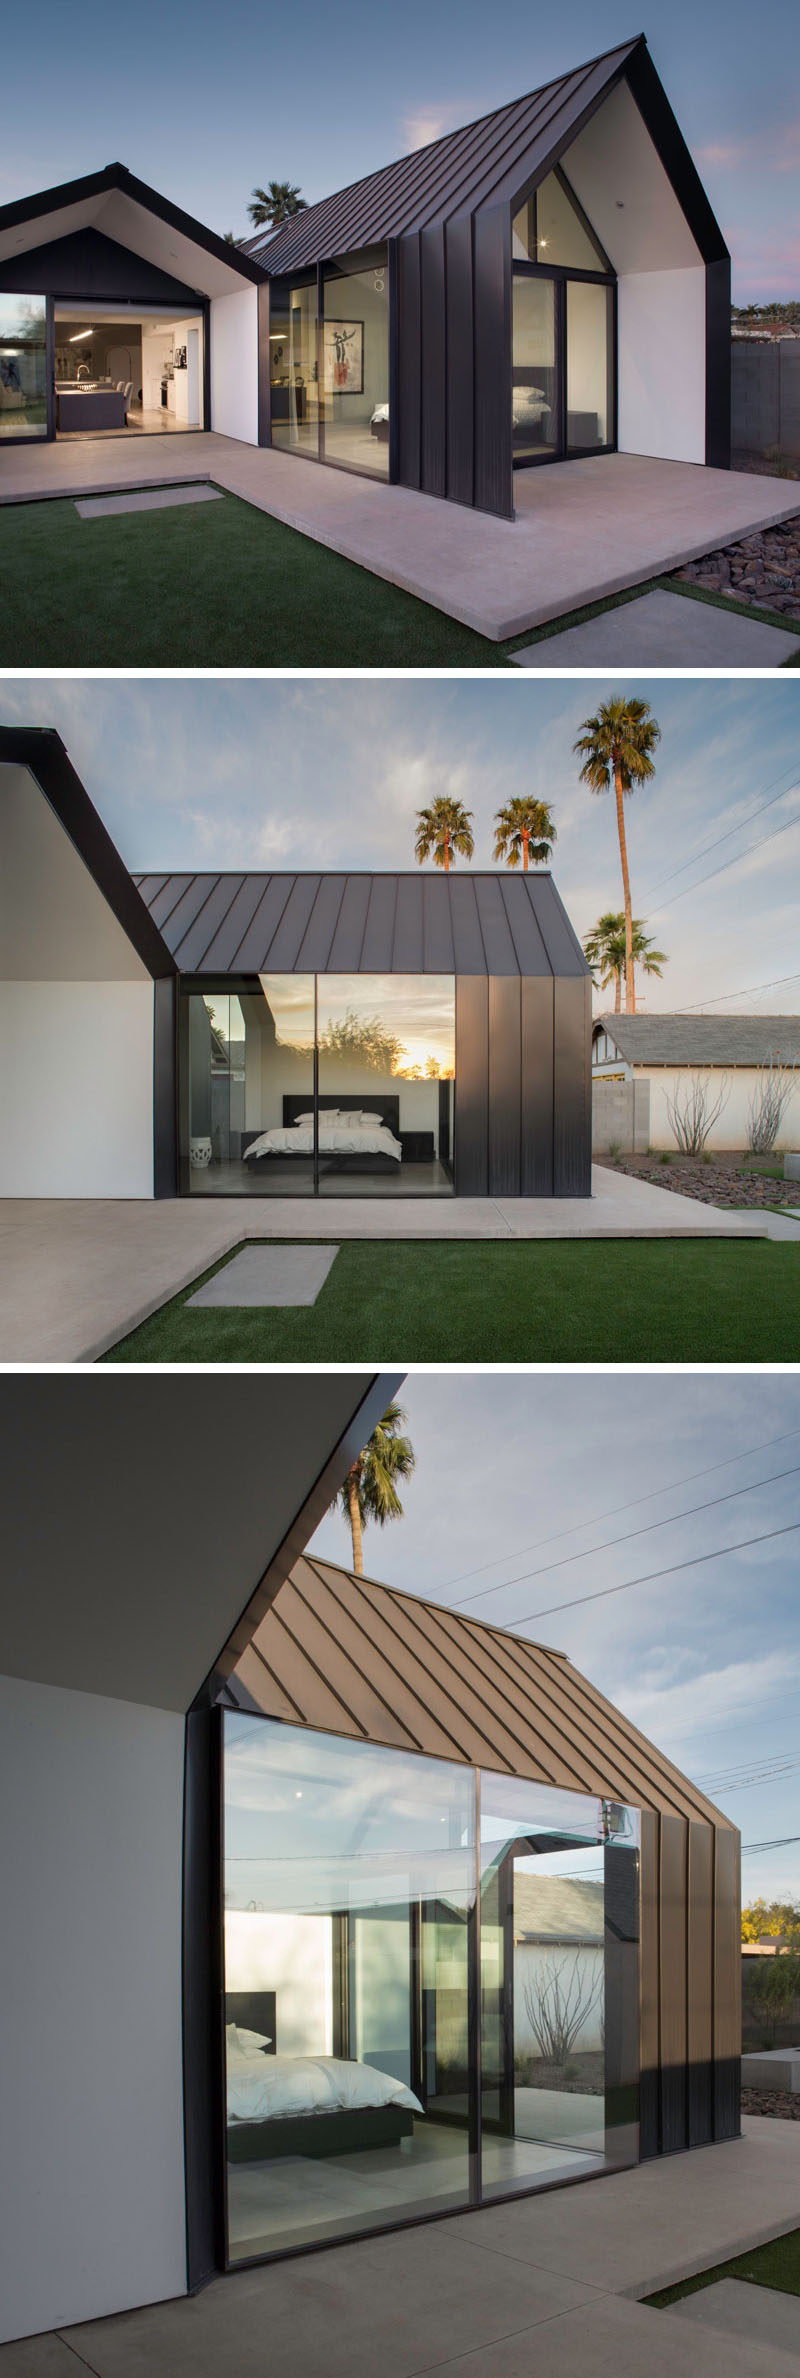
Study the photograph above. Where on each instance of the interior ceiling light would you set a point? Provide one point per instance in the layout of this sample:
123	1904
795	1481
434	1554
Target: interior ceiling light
77	335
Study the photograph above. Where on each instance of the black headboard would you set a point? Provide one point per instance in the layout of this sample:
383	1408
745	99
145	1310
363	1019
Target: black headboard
254	2010
371	1102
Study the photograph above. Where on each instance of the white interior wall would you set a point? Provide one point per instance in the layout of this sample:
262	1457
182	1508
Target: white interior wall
76	1089
91	2186
662	363
234	366
292	1955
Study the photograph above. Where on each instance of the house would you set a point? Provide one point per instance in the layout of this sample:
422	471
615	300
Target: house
548	282
275	1034
659	1056
270	1824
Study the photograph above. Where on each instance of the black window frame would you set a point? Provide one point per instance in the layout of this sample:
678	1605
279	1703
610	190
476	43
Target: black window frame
312	276
560	275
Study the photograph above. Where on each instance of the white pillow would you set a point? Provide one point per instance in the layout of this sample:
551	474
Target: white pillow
367	1118
304	1118
246	2043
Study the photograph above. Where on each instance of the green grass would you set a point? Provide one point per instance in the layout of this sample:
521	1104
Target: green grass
206	586
776	2265
599	1301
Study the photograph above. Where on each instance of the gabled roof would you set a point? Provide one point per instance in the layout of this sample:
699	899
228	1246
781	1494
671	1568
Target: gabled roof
425	923
41	750
491	162
116	203
703	1040
348	1656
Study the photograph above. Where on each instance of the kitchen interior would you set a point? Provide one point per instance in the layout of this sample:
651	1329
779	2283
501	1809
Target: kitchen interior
138	372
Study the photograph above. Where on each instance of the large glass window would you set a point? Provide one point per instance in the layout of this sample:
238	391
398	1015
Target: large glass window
551	229
535	368
558	2067
122	371
349	1889
386	1083
294	366
23	367
589	353
248	1087
355	362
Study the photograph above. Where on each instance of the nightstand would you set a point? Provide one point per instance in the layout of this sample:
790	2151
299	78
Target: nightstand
417	1147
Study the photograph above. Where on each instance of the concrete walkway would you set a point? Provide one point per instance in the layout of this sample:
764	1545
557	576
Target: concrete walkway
662	630
582	529
77	1274
548	2284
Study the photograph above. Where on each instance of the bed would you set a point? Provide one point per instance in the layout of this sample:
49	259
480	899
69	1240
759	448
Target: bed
345	1143
303	2105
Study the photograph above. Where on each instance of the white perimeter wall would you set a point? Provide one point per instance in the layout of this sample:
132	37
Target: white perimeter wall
535	1964
662	363
76	1089
91	2179
234	366
731	1130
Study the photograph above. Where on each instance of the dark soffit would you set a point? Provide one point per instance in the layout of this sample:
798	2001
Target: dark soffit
420	923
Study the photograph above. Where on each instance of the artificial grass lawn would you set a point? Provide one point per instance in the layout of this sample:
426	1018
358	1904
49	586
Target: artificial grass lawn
206	586
658	1300
776	2265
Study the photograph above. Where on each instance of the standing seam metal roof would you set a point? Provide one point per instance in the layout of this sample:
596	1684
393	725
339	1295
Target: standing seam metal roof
348	1656
465	169
421	923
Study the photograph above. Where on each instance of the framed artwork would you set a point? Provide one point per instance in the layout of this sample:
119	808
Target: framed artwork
343	358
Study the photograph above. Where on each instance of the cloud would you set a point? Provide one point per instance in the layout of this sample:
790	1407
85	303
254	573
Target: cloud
425	124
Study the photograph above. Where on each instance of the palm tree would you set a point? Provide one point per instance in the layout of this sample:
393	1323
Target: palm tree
525	825
276	204
605	951
370	1488
617	745
443	830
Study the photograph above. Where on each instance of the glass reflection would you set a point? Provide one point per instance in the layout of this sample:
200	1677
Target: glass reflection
589	336
294	366
349	1884
549	229
535	398
250	1121
23	367
355	363
386	1083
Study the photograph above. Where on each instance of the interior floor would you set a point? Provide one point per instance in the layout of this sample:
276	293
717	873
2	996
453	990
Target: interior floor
292	1180
154	421
298	2197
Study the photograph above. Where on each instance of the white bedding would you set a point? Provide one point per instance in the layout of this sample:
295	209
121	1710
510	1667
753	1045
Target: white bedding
270	2088
335	1139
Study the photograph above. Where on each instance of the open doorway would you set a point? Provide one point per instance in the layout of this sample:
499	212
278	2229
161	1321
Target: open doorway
119	372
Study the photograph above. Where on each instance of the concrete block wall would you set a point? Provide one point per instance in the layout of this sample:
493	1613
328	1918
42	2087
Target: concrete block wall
765	395
620	1117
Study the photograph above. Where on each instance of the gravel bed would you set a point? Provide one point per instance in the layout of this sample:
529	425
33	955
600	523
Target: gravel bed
724	1181
783	2104
763	569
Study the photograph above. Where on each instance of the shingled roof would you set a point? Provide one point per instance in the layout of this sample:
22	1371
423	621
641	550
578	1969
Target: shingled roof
703	1040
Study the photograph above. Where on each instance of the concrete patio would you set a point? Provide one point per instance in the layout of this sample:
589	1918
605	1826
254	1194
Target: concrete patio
583	530
549	2283
77	1274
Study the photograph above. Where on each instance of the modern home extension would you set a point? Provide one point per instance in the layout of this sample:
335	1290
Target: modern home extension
544	284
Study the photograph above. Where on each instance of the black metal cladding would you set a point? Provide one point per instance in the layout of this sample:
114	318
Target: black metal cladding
425	923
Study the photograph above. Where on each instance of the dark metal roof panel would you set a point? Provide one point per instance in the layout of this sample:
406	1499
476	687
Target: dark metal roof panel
369	1662
421	923
161	905
462	171
150	886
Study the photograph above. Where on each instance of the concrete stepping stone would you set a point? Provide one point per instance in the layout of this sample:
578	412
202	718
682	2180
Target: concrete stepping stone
147	499
664	631
268	1276
738	2308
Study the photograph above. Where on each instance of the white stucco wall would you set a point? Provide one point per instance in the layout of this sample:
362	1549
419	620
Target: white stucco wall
91	2174
731	1130
535	1965
234	366
662	363
76	1089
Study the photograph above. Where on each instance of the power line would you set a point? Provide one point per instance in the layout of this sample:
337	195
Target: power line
675	1566
672	1520
619	1509
730	830
786	1841
750	991
761	843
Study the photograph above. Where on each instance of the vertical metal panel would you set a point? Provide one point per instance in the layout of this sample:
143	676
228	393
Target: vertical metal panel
572	1113
460	360
204	2145
264	415
504	1085
621	1976
492	333
649	1989
165	1096
470	955
347	943
409	361
536	1087
672	1961
472	1086
718	363
495	929
394	362
700	1982
376	953
438	956
407	948
434	349
727	1986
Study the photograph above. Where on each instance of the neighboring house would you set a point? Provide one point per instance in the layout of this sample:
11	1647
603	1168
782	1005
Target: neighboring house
661	1054
547	282
249	1034
271	1823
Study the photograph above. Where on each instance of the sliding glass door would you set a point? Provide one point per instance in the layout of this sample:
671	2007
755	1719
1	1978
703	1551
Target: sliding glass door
23	367
564	335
